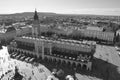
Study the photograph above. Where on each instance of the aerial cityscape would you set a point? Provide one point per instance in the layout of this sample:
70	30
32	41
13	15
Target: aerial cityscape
54	42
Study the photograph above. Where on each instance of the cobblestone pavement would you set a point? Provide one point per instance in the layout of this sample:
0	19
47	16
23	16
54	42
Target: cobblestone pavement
28	71
109	62
108	53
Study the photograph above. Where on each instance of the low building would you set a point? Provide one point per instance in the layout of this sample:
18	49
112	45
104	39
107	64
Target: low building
106	36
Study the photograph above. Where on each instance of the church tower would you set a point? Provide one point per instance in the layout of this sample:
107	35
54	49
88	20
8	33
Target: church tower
36	26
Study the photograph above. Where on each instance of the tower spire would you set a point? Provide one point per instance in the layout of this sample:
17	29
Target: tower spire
36	15
36	25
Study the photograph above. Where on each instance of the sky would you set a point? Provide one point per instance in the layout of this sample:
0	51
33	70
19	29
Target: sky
99	7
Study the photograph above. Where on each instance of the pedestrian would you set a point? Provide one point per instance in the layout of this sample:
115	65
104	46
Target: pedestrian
30	78
32	72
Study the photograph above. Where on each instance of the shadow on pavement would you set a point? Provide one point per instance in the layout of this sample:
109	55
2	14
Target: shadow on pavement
100	69
105	70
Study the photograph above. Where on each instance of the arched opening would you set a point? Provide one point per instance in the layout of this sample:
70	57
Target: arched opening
59	62
28	53
78	67
84	67
32	55
35	56
9	51
50	60
18	52
40	57
69	64
15	50
63	63
25	53
22	52
45	59
55	62
74	65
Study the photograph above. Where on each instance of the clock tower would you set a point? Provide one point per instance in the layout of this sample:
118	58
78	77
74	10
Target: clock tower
36	26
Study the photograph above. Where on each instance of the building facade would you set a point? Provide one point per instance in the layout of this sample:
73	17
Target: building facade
106	36
75	53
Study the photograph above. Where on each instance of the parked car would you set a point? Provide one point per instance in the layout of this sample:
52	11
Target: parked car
119	53
14	55
17	57
31	60
117	48
23	58
27	59
11	54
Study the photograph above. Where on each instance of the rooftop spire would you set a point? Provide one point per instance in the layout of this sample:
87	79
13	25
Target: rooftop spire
35	15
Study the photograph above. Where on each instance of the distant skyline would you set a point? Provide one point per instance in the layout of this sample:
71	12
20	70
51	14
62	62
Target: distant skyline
97	7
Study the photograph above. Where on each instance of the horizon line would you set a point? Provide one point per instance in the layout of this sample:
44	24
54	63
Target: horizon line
59	13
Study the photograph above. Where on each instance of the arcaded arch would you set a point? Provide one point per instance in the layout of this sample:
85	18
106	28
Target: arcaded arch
69	63
19	52
25	53
28	53
40	57
54	60
50	59
59	61
46	59
84	66
14	50
63	62
74	65
78	66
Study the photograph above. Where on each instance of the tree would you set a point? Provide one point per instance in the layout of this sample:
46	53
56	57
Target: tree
60	73
17	75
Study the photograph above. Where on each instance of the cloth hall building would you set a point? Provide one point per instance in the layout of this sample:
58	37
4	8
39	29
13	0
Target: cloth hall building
72	52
